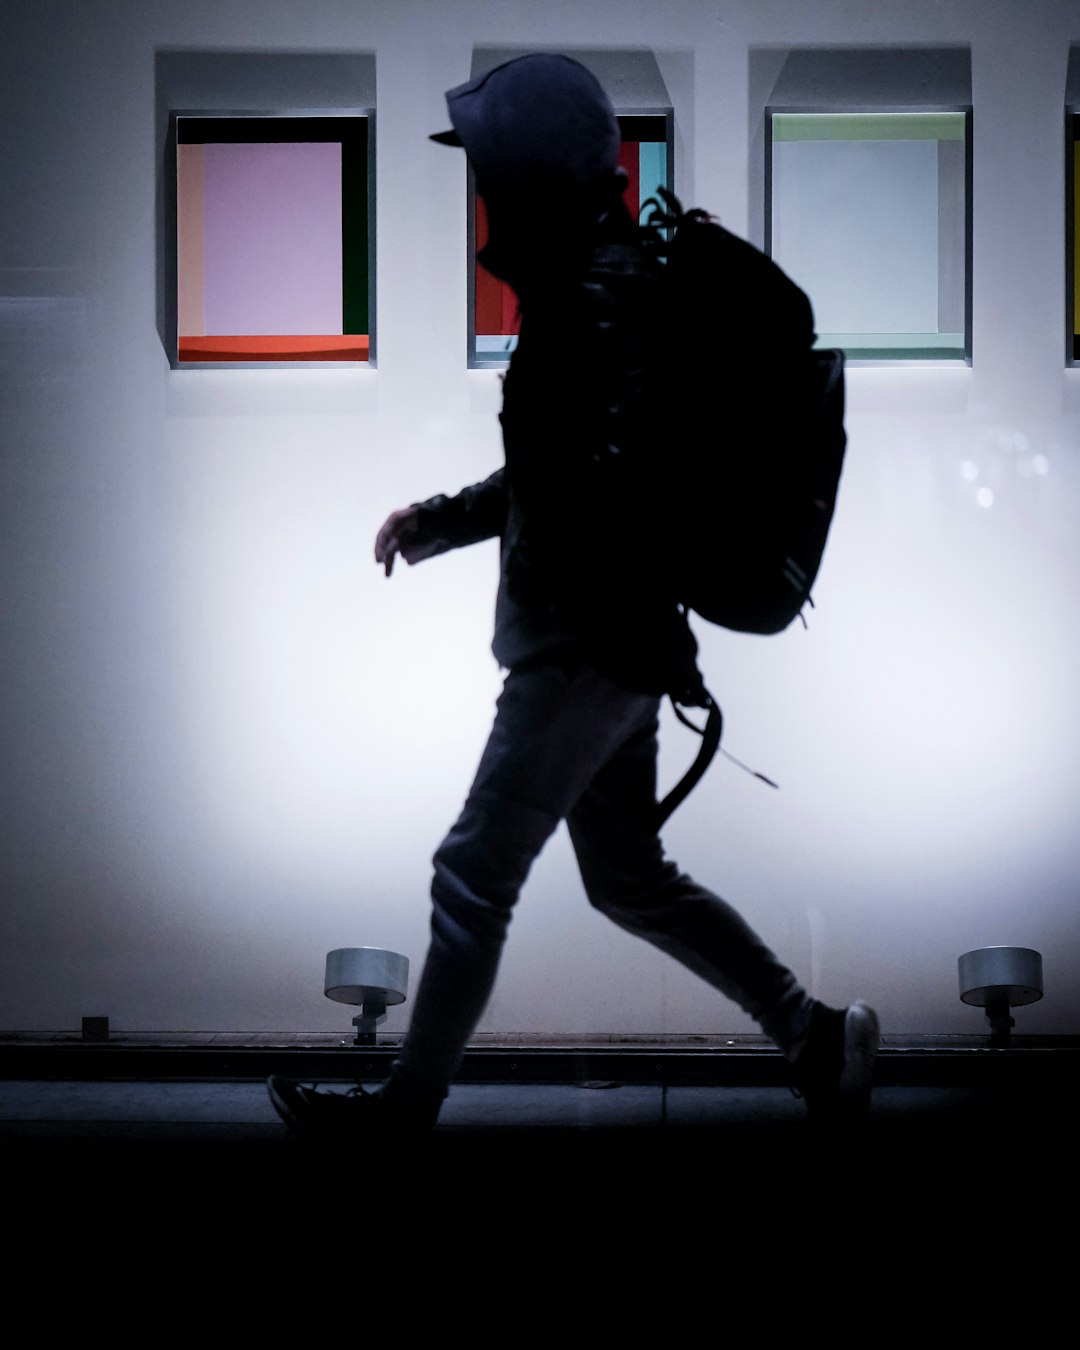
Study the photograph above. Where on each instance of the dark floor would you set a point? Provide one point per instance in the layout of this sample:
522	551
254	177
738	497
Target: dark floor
628	1173
240	1112
664	1098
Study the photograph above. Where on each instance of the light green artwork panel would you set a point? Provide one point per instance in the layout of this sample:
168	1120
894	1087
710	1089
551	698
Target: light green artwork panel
869	214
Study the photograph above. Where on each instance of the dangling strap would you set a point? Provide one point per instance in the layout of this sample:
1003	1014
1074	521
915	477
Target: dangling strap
710	743
710	735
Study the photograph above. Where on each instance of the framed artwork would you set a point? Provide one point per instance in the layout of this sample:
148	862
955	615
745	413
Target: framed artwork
870	213
273	239
1072	237
646	156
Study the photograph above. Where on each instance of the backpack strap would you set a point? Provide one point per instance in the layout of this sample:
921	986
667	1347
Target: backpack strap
710	742
710	735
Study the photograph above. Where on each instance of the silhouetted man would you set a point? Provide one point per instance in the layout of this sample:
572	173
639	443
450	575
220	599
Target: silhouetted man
585	626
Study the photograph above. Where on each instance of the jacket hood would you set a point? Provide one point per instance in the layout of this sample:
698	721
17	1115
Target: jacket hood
539	122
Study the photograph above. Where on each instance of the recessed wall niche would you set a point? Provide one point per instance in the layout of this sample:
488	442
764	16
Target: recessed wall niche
633	82
865	194
266	208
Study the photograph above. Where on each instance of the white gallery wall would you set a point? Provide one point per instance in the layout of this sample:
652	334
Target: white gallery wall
229	744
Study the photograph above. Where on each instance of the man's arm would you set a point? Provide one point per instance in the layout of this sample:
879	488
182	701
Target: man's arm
441	523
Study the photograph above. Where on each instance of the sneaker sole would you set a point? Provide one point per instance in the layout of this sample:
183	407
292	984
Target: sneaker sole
281	1090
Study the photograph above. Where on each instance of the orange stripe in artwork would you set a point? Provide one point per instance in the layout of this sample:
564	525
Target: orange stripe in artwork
272	347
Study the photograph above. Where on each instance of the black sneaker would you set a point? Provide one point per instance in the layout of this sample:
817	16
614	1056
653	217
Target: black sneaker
311	1113
835	1069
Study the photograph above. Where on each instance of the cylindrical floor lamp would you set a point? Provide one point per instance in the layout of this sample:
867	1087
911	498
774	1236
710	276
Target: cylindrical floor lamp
370	977
1000	978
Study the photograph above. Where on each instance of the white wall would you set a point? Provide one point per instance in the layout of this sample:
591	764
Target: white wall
229	744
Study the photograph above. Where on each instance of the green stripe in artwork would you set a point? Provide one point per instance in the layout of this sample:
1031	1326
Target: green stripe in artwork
354	235
913	126
1076	227
896	346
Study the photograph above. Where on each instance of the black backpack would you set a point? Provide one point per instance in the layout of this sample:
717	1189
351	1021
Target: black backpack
755	509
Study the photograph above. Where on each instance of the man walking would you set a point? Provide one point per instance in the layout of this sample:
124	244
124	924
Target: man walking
586	626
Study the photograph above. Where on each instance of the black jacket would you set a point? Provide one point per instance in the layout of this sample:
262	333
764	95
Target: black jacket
581	564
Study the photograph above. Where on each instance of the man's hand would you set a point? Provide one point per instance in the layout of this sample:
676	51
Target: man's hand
398	535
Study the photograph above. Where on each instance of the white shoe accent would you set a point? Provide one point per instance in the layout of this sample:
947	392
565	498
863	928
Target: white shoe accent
862	1037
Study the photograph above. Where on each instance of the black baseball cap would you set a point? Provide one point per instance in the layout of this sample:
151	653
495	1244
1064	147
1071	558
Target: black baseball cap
543	116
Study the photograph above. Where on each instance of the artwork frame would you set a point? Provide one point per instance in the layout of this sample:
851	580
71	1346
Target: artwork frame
928	147
651	130
271	228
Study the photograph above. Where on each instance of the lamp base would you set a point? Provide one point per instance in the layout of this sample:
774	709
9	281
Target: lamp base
365	1022
1001	1021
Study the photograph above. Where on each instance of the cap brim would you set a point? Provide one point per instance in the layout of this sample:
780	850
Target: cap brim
446	138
